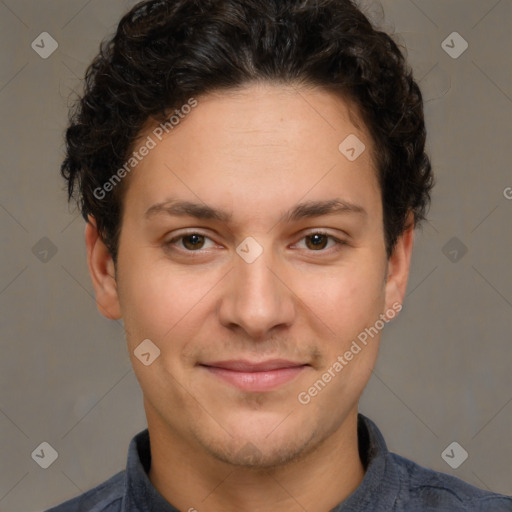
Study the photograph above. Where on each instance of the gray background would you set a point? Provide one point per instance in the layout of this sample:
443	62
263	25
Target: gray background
444	369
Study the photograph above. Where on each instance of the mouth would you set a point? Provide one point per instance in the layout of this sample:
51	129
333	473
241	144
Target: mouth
256	376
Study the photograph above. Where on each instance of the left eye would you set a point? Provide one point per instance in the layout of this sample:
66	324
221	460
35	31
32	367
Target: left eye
319	241
191	242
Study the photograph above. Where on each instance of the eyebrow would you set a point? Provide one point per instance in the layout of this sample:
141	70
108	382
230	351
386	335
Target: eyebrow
300	211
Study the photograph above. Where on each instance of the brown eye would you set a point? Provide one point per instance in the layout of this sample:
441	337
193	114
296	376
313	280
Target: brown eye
188	243
317	241
192	242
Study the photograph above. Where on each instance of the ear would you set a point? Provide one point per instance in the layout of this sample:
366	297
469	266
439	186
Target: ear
102	271
398	266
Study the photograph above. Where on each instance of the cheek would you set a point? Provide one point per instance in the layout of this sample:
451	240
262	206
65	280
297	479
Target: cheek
346	299
153	300
166	303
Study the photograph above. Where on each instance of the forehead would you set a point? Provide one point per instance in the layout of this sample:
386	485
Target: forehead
256	145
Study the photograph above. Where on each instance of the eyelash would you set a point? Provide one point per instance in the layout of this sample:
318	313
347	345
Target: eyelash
339	243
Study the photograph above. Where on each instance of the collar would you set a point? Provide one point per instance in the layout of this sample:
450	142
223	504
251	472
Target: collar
381	483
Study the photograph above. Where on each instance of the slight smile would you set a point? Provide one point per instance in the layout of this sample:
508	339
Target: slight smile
256	377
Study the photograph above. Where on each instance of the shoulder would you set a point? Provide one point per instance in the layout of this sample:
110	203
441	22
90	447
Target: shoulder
106	497
426	489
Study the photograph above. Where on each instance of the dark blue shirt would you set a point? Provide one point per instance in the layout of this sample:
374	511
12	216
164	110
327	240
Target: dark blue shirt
391	483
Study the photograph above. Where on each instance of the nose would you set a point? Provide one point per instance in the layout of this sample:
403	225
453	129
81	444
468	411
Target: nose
257	298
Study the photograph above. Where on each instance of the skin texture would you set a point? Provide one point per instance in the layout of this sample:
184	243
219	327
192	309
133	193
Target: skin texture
254	153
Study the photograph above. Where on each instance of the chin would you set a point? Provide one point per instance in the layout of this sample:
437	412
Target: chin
242	453
260	444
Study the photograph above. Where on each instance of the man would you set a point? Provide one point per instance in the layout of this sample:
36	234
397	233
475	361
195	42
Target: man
251	173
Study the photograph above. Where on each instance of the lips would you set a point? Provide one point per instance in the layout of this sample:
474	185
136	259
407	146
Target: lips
256	376
247	366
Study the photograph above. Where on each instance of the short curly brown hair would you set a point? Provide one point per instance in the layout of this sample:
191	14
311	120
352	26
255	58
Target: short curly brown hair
166	51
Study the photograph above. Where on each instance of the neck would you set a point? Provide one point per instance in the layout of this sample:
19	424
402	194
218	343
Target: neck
191	479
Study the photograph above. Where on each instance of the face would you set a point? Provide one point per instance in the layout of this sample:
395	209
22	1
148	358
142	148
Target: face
252	255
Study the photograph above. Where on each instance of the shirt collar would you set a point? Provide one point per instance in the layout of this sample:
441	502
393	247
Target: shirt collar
140	495
381	483
379	487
